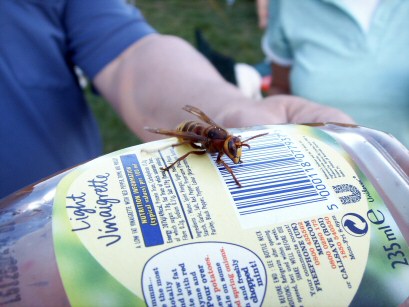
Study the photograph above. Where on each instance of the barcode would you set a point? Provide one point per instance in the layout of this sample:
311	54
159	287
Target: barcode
272	177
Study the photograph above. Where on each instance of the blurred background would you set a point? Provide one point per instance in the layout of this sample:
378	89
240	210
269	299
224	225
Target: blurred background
230	27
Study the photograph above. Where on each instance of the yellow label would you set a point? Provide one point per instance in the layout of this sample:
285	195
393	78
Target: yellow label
298	231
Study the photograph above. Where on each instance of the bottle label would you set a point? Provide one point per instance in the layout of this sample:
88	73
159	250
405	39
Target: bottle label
306	227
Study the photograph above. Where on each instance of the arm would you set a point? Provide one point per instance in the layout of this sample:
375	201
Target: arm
155	77
262	13
152	79
275	45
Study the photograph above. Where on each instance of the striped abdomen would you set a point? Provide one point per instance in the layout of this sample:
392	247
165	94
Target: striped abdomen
199	128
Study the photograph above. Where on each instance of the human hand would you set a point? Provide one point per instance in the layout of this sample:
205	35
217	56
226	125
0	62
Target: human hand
262	12
280	109
131	84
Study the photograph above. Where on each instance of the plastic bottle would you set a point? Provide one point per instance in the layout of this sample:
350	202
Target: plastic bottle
119	231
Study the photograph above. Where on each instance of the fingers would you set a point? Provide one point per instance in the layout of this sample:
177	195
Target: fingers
280	109
299	110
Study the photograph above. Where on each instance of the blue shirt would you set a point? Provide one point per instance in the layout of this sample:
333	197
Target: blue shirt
334	61
45	124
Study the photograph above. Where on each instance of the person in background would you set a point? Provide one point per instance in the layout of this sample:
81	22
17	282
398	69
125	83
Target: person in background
46	125
344	54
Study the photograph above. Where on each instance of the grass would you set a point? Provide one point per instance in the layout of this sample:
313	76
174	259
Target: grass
231	30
